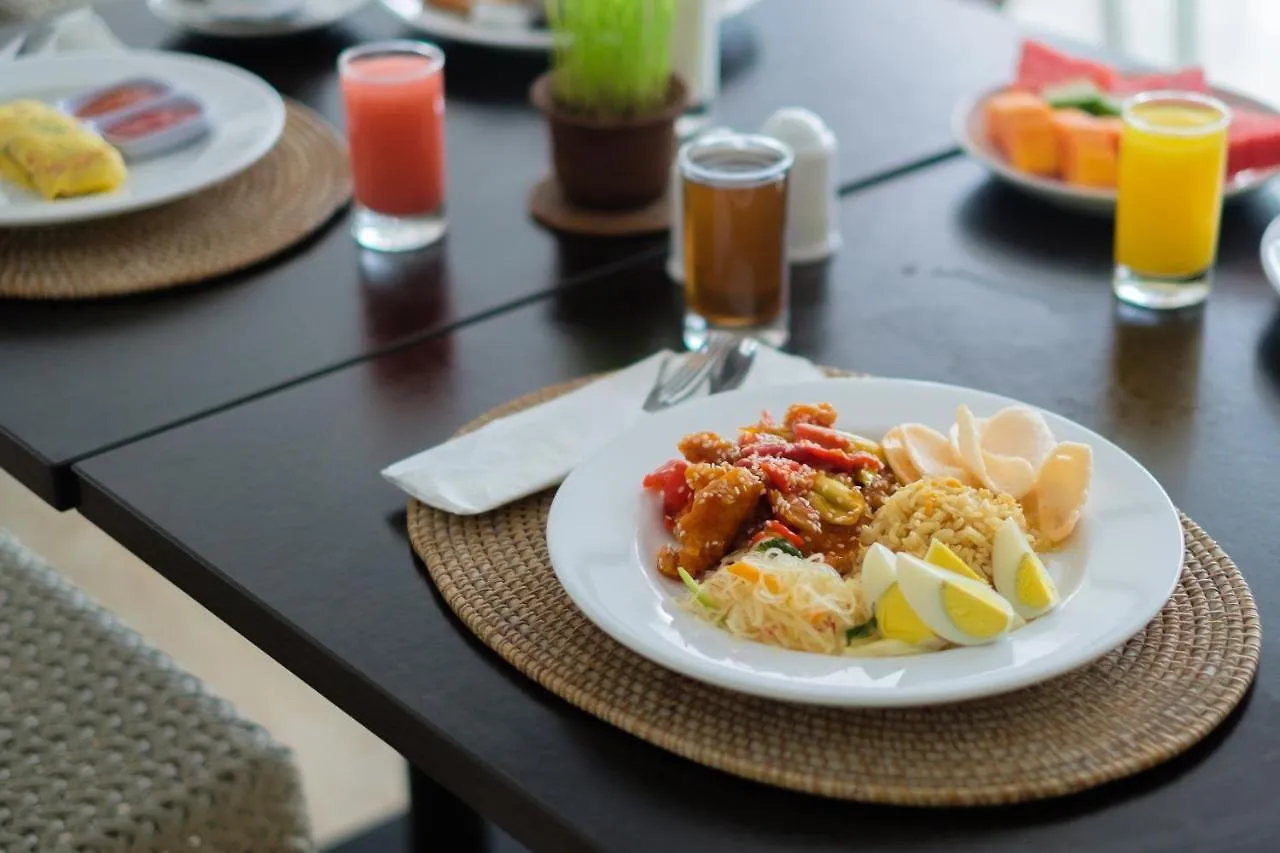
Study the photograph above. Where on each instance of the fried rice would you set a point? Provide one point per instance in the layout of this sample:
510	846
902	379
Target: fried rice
961	517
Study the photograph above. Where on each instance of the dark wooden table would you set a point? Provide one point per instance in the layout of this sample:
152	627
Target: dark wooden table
231	435
76	379
965	282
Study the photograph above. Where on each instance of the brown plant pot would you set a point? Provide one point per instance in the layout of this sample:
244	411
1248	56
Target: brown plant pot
611	163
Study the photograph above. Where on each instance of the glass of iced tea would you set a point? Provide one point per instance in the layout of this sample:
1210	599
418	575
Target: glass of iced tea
735	226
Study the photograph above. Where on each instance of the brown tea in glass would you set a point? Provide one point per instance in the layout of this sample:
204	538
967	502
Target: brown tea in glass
735	225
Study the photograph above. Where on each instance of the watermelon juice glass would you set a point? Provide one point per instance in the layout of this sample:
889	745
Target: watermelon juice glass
393	96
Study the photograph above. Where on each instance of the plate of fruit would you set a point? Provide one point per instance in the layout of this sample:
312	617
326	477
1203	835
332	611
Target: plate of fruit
1055	131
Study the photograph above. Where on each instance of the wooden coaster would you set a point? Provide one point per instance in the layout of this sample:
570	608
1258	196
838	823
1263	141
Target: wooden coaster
288	194
548	205
1142	704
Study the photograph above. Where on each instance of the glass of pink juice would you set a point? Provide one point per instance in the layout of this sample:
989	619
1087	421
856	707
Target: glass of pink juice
393	96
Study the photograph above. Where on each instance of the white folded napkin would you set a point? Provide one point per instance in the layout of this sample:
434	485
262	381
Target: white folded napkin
79	29
520	455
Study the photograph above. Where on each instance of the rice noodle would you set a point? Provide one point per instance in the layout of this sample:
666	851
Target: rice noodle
794	603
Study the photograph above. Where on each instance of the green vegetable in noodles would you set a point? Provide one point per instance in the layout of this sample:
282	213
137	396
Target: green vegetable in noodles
780	544
694	587
857	632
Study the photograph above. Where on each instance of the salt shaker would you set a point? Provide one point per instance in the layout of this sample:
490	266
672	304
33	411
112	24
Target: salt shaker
675	195
813	230
695	57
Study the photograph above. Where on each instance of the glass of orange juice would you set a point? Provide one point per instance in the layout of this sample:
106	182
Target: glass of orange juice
393	97
1173	153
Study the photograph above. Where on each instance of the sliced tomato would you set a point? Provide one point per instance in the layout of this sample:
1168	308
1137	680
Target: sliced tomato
670	480
773	528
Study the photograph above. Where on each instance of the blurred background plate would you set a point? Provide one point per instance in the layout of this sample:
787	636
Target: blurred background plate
197	16
439	23
967	125
247	117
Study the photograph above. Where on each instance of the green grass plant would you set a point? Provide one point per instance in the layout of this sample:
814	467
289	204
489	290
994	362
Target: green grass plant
612	57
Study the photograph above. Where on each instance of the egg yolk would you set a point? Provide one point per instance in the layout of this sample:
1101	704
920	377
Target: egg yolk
897	621
944	558
972	614
1035	588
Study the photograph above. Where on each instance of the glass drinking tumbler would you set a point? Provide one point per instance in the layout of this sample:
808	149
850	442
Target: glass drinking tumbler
393	96
1173	152
735	224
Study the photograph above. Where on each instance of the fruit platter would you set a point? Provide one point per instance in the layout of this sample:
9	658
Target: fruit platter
1054	131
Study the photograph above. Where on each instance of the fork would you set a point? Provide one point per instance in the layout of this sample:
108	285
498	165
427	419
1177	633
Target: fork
689	377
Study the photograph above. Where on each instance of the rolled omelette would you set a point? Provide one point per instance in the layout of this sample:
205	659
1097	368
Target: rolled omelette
47	152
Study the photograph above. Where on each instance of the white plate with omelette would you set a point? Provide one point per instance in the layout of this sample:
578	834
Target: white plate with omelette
1112	575
247	117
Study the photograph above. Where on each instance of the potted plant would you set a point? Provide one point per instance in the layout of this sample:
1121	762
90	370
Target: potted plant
611	100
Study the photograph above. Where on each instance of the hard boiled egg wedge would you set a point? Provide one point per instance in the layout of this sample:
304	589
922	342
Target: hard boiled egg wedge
1019	574
944	558
895	619
959	609
878	573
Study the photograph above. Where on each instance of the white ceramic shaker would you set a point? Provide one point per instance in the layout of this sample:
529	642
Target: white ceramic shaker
695	58
675	194
813	229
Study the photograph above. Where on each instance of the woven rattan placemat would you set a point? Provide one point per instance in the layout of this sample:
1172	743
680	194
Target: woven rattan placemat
1142	704
288	194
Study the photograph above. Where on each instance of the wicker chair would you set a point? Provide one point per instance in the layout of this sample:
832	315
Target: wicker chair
106	746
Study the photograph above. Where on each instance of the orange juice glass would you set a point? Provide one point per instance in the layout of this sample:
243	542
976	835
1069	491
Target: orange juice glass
393	96
1173	154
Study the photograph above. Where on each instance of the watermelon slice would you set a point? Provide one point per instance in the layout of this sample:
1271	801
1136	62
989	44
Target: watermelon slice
1040	65
1253	141
1186	80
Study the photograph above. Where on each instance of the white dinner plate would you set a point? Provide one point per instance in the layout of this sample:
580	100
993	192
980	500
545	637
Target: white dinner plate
441	23
247	117
967	126
1115	573
197	16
